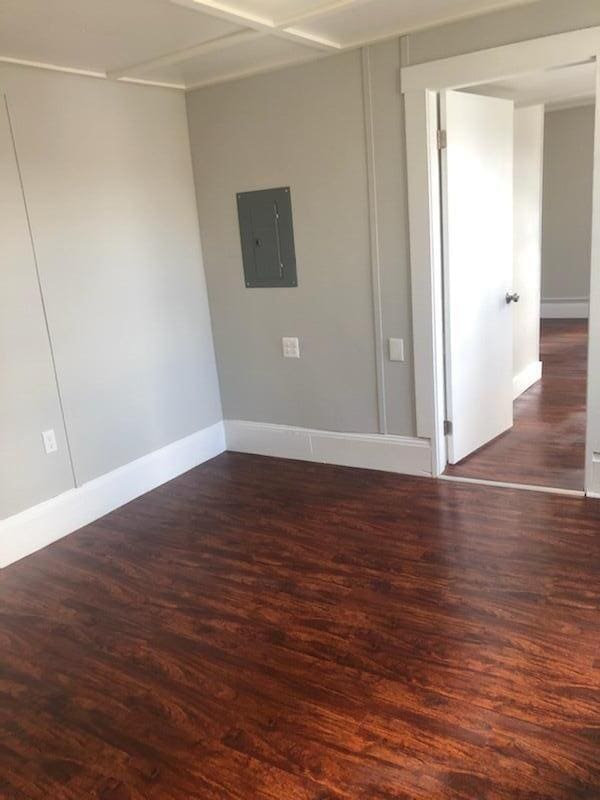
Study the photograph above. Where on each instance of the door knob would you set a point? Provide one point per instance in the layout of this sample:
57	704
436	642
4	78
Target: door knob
512	297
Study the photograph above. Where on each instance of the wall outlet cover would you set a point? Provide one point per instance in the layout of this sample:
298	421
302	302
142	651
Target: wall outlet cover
291	347
396	349
49	439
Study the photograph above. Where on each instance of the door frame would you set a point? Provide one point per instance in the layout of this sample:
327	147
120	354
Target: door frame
420	85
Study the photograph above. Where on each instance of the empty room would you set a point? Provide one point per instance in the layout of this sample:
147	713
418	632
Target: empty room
300	400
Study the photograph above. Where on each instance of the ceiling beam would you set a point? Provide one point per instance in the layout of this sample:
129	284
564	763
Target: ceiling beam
247	73
215	8
322	10
88	73
176	57
223	11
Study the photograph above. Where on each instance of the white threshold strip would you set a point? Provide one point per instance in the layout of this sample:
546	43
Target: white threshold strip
527	487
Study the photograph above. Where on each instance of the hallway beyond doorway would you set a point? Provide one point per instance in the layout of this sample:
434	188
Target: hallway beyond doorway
546	445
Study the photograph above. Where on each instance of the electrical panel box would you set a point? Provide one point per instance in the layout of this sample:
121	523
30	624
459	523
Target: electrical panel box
267	237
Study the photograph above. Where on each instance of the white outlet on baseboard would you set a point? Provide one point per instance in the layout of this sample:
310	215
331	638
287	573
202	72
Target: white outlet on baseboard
291	347
50	444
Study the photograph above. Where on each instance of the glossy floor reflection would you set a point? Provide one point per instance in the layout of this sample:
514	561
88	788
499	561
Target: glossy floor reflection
261	629
546	446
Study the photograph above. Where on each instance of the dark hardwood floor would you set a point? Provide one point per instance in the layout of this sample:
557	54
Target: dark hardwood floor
546	446
280	630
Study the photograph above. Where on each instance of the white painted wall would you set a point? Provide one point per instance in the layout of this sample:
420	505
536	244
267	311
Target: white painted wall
107	178
528	172
567	209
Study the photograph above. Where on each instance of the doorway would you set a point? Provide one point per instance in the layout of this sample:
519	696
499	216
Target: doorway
422	86
546	444
516	176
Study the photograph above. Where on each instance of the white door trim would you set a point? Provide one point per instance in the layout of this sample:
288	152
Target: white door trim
506	61
426	270
420	85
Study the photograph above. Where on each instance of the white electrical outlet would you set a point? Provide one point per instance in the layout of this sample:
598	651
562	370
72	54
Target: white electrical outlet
396	349
291	347
50	444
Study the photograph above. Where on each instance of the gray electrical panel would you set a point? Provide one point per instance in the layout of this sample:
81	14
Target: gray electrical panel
267	237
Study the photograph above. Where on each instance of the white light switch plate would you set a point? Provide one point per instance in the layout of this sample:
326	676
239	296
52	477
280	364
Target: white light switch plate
291	347
396	349
50	444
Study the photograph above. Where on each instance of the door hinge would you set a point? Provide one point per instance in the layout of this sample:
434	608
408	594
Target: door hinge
447	427
442	140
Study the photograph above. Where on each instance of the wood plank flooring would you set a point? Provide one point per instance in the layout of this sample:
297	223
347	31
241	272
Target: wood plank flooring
546	446
276	630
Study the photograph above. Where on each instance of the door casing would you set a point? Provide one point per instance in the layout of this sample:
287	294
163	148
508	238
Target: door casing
420	87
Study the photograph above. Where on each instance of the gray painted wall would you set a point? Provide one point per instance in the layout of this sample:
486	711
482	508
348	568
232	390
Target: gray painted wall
567	209
516	24
304	127
528	150
29	402
391	202
106	173
107	176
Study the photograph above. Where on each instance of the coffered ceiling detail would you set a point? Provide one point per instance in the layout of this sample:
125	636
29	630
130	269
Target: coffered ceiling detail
193	43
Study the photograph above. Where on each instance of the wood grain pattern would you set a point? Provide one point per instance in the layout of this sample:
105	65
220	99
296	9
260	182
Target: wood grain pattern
546	446
277	630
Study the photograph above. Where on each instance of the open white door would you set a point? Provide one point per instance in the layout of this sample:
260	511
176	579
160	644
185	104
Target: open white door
477	191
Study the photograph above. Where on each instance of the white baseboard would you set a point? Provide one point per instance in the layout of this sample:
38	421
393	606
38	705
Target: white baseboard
400	454
526	378
30	530
565	308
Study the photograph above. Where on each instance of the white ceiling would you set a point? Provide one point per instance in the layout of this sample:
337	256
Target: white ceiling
555	88
189	43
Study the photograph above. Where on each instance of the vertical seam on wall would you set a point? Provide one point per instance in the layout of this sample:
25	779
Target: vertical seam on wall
404	51
40	290
374	238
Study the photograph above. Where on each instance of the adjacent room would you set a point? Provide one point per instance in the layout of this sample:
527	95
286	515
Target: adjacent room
299	409
531	384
